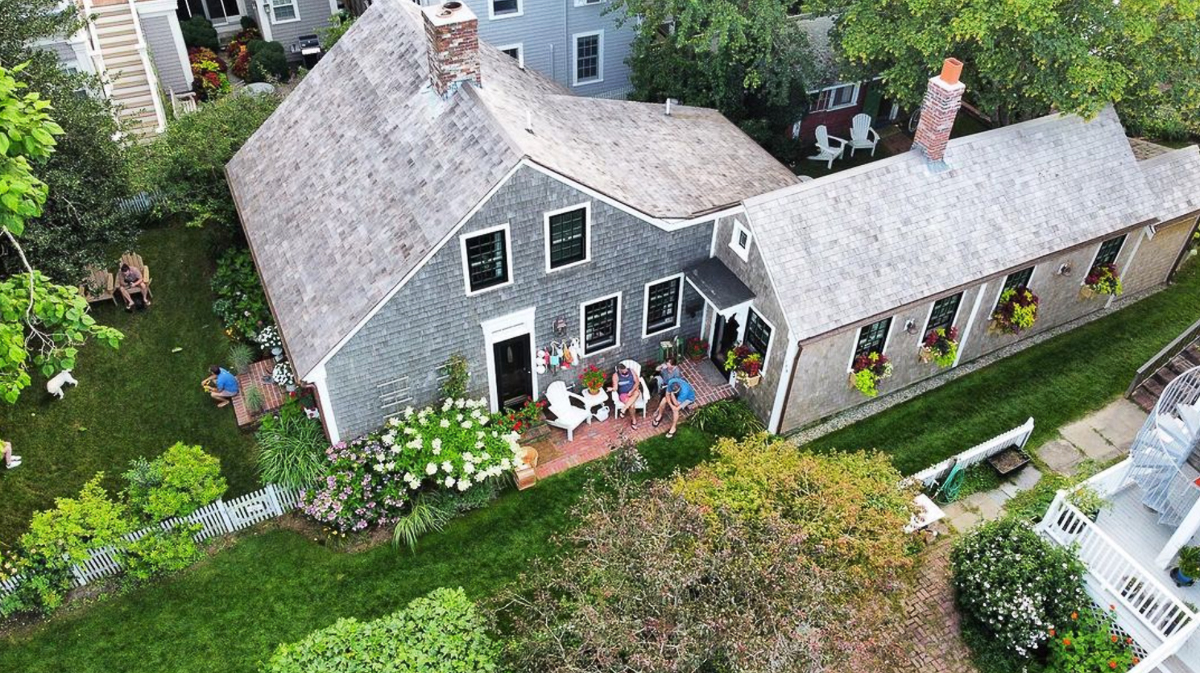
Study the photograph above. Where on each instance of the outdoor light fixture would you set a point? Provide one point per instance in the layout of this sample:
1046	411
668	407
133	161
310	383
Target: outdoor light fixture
910	326
1064	270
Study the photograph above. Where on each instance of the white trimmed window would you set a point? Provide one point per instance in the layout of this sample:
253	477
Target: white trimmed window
582	3
568	237
486	259
740	240
872	338
284	11
516	51
502	9
1109	250
601	320
836	98
942	313
758	335
588	57
662	301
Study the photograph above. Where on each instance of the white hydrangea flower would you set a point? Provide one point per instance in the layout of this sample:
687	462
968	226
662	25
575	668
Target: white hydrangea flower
447	467
464	484
394	422
415	443
481	476
468	456
449	482
487	456
409	430
408	412
436	443
388	439
437	451
408	476
467	425
469	468
460	404
391	465
445	423
379	467
431	468
505	464
479	445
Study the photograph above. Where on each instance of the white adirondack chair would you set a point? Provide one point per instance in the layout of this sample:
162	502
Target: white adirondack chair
640	404
826	150
862	136
566	415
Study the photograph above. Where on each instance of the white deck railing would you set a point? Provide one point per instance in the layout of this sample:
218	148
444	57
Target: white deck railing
1156	609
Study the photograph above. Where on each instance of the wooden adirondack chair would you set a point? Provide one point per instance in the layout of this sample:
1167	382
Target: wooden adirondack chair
826	150
98	285
862	136
134	261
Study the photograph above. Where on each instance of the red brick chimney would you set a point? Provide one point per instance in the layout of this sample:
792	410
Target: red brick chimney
453	35
943	98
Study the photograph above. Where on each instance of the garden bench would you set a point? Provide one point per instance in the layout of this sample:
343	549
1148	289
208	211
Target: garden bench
134	261
98	285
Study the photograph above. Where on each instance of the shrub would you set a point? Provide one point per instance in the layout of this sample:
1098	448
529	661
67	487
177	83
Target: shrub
241	303
726	418
161	552
1014	586
426	515
241	356
177	483
338	25
370	480
239	51
457	373
1090	643
208	71
442	631
199	32
290	448
269	63
248	23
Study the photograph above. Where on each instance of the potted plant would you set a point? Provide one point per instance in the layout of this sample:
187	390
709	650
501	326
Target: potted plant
940	346
268	339
1102	279
1184	574
592	378
697	349
1016	310
867	371
749	370
282	375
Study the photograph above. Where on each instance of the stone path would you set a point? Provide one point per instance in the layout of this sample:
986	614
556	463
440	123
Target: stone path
931	620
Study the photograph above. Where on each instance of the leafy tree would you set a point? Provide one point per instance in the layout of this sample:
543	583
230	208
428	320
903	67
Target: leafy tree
1024	61
186	164
177	483
40	323
746	58
80	223
338	25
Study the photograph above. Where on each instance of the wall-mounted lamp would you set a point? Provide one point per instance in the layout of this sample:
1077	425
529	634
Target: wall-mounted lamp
910	326
1064	270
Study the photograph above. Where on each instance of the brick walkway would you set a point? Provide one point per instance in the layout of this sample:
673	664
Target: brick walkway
596	440
931	619
273	395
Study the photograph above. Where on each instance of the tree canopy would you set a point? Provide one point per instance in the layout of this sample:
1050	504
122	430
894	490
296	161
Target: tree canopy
1025	58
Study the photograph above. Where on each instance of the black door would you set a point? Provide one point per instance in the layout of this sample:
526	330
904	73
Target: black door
513	375
724	337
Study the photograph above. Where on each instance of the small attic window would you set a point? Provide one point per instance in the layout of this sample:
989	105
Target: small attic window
740	241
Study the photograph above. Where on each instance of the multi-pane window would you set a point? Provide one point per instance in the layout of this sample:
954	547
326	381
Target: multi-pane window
1018	279
283	10
835	97
587	58
1109	250
513	51
601	320
568	237
758	334
871	338
503	7
943	313
662	306
487	260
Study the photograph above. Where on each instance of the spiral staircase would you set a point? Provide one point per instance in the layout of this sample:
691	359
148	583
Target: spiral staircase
1161	449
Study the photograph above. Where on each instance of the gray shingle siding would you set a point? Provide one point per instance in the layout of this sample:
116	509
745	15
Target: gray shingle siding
431	317
314	15
164	53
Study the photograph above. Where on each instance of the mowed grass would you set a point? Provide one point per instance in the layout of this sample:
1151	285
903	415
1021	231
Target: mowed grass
1056	382
229	613
134	401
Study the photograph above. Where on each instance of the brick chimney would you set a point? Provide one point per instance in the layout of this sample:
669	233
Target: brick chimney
453	35
943	98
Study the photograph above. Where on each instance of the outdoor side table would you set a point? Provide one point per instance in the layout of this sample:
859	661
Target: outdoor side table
591	401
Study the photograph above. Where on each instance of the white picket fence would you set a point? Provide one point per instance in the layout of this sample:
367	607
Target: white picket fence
1018	437
217	518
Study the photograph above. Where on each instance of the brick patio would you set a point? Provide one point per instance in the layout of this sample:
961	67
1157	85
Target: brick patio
596	440
931	619
273	395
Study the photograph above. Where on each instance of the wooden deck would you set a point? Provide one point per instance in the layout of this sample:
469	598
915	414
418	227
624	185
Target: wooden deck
258	376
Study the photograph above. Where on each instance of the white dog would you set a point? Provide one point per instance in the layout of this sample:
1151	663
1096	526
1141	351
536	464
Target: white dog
55	385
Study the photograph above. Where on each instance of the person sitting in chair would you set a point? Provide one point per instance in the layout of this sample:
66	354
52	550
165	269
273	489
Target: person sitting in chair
131	282
221	386
680	397
626	392
666	371
6	454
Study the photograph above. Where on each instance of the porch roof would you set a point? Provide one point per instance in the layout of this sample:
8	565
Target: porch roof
717	284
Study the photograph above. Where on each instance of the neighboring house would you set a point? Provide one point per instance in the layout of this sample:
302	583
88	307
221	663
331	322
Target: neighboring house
136	48
282	21
421	196
1152	509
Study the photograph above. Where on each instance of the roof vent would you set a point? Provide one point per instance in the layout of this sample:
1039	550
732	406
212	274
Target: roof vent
670	102
449	8
529	121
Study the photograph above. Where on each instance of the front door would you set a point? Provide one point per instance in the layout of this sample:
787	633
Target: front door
513	372
724	337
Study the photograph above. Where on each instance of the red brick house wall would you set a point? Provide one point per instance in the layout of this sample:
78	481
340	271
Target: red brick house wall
836	121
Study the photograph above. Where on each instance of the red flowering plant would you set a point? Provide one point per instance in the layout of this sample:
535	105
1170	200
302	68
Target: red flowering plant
1104	279
696	349
524	419
208	71
1016	310
868	370
1090	642
592	378
940	346
241	39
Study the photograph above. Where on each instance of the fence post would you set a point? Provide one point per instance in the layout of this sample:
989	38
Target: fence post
225	515
273	499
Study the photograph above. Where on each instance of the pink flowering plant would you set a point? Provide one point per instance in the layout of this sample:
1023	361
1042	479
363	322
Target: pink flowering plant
371	480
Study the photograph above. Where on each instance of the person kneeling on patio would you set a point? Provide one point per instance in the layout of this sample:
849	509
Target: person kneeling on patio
626	391
221	386
680	396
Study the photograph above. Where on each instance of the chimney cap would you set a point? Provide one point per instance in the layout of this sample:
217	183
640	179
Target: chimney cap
951	70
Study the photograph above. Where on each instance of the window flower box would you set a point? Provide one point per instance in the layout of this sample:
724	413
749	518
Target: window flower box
867	371
940	346
745	364
1102	279
1016	311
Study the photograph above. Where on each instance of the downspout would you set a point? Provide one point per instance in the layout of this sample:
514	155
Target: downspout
787	394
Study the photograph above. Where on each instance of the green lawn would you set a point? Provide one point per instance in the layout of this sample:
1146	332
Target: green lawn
135	401
1055	382
229	613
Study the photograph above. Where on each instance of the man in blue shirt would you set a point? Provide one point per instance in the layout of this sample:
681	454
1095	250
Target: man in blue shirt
222	385
680	396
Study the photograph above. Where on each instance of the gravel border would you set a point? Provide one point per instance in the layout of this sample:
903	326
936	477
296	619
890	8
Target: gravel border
854	414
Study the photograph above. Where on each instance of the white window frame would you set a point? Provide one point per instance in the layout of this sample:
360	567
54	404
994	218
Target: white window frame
738	229
492	15
466	266
520	47
586	3
853	97
929	314
587	235
295	4
646	305
766	357
1000	289
575	81
887	339
1124	239
583	324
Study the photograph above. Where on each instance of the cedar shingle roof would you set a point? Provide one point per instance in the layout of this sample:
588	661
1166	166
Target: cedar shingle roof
1174	175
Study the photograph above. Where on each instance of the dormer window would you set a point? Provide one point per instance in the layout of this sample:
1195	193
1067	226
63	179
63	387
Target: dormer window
740	240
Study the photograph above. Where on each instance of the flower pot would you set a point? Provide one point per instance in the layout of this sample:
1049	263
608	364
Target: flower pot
926	355
1180	579
277	352
595	390
1086	292
752	381
851	380
291	387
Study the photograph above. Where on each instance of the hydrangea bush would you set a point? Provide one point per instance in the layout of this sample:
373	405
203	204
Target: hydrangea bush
1015	586
369	480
